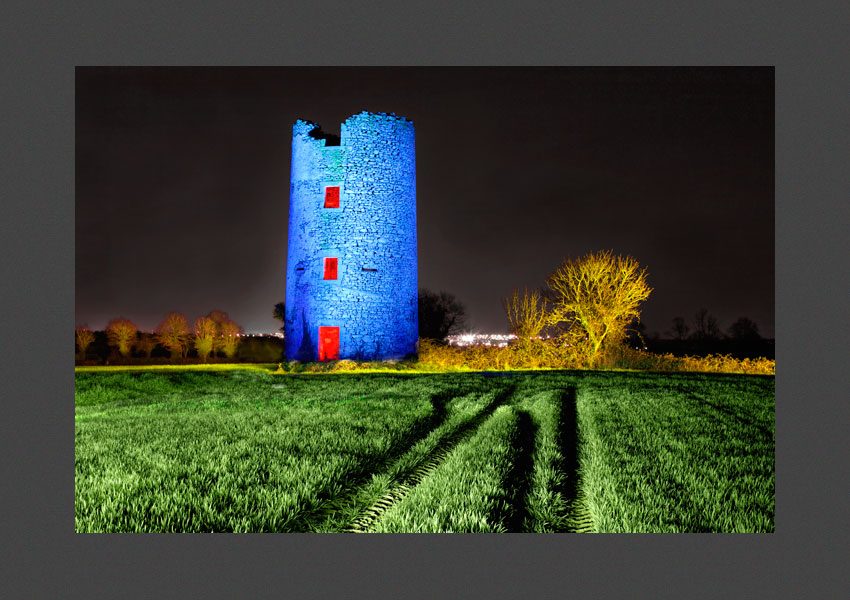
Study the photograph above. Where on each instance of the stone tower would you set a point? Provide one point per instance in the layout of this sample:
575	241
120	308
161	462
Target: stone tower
351	273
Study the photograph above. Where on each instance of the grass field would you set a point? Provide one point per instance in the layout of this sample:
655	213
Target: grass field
245	450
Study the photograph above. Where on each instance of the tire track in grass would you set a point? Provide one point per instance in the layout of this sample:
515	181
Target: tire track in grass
419	432
553	501
520	476
579	519
406	481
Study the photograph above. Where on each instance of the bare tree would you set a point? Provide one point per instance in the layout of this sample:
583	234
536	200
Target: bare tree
173	333
680	328
206	331
705	326
526	313
84	337
598	295
121	333
440	315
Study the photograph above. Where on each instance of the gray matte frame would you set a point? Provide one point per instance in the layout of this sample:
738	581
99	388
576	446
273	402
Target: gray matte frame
44	558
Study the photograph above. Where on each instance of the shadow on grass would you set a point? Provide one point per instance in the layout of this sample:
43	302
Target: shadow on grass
578	518
519	478
412	475
342	504
330	502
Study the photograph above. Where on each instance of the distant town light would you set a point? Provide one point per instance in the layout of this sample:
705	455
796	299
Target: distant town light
480	339
276	334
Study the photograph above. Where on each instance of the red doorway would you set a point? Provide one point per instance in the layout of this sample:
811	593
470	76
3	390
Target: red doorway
328	343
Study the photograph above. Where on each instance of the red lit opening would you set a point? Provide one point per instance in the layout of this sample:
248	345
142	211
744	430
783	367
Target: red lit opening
332	196
328	343
330	268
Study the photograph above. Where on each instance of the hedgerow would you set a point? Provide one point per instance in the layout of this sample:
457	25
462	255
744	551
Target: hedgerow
548	354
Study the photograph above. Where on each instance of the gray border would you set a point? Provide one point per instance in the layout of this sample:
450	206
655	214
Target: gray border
43	558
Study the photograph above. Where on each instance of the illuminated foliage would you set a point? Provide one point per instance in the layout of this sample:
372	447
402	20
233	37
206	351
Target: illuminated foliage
229	338
597	295
624	357
526	314
84	337
173	333
121	333
206	330
218	317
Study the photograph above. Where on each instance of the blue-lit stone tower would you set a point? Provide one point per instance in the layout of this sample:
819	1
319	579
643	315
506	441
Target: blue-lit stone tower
351	274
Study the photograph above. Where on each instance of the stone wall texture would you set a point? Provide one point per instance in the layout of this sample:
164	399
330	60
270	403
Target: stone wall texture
372	234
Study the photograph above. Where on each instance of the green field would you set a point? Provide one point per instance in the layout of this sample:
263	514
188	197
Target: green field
245	450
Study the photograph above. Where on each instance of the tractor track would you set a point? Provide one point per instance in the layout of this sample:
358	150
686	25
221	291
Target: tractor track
407	481
578	518
420	432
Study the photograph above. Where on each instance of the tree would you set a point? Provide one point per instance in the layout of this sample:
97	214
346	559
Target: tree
218	317
84	337
526	313
680	328
206	331
146	343
121	333
279	313
230	338
597	296
440	315
173	333
705	326
744	330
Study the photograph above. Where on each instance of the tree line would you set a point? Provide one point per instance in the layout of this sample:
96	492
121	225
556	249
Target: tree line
590	307
706	328
209	334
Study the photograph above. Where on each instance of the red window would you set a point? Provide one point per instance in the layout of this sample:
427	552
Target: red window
330	268
332	196
328	343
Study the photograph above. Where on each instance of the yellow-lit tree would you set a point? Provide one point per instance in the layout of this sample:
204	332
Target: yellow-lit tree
229	338
84	337
218	317
173	333
526	313
206	331
121	333
595	297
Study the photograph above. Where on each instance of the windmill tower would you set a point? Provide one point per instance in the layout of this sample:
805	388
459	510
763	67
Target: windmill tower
351	274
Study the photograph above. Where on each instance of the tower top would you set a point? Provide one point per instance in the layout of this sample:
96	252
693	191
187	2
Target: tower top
304	127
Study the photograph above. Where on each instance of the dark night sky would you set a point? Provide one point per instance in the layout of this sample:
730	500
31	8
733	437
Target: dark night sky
182	183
